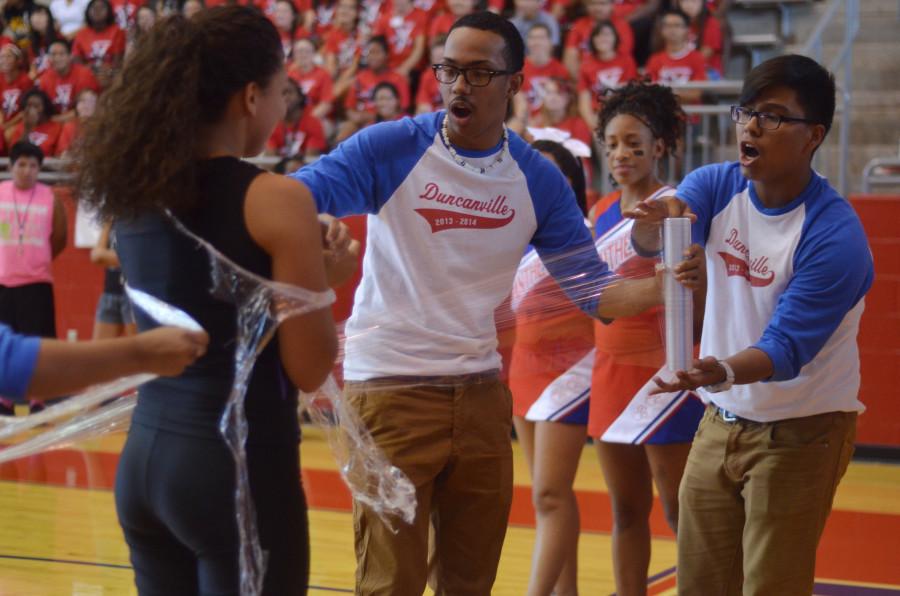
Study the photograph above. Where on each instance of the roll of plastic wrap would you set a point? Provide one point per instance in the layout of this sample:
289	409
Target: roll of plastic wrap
679	300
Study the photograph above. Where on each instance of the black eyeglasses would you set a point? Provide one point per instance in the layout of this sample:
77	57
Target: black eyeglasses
766	120
477	77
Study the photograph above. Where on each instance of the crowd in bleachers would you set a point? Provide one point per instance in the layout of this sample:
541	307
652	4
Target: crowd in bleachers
356	62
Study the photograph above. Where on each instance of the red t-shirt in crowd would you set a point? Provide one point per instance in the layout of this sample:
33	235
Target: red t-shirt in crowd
401	33
268	6
432	8
324	18
712	38
11	93
125	11
287	41
307	134
597	75
315	84
669	69
441	25
343	45
429	92
63	90
99	47
360	96
68	133
577	127
580	35
534	78
44	135
623	8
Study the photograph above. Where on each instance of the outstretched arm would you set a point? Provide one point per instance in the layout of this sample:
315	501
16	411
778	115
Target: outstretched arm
63	367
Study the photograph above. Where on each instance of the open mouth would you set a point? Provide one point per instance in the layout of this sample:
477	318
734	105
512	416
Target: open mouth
749	153
461	110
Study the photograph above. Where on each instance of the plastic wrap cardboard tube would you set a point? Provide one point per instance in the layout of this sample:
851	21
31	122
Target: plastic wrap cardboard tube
679	300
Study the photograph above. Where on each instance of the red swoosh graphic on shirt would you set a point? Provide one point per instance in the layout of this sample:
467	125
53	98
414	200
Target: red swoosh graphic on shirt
441	219
738	266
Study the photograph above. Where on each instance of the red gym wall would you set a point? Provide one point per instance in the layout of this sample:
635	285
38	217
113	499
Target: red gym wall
78	284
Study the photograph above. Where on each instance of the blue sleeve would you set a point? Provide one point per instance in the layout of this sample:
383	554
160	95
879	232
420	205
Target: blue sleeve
562	240
362	173
707	191
833	270
18	356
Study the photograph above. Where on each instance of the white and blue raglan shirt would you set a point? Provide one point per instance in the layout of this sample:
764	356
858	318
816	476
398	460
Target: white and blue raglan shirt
443	244
789	281
18	357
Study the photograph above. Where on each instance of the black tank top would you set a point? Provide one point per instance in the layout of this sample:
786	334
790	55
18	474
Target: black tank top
161	261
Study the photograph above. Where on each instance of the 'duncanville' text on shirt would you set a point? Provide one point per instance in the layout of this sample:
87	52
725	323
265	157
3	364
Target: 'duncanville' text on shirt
443	244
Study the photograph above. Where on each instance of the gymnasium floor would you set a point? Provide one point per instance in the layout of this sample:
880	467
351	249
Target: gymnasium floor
59	536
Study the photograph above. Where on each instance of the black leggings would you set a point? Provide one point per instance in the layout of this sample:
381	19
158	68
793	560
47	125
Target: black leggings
175	501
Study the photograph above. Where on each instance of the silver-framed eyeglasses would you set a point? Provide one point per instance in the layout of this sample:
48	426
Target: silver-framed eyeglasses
474	76
765	120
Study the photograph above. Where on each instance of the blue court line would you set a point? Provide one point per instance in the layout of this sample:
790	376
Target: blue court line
114	566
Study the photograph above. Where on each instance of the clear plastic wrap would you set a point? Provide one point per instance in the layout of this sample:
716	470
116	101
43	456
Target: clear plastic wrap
262	305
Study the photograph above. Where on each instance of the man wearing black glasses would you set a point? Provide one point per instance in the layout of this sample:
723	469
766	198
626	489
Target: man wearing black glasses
788	266
453	200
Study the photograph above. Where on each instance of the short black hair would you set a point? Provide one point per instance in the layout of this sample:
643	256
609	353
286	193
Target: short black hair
382	41
810	81
543	26
62	41
25	149
600	26
678	13
386	85
49	108
110	14
570	167
485	20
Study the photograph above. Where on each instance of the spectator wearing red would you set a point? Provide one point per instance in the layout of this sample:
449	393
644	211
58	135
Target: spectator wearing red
65	79
303	8
705	34
300	133
84	109
14	82
37	125
540	67
100	44
324	17
428	96
604	69
343	46
371	11
432	8
288	21
558	111
677	63
43	33
578	41
386	98
456	9
359	103
125	12
314	81
404	27
144	19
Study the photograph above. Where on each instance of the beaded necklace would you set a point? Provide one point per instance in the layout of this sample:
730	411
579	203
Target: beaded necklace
445	136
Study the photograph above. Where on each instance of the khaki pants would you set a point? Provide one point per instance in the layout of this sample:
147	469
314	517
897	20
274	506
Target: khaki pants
452	439
753	503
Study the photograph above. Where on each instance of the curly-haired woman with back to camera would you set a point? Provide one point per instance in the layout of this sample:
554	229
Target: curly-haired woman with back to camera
222	76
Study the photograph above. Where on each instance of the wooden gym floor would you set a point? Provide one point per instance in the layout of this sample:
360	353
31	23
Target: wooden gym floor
59	535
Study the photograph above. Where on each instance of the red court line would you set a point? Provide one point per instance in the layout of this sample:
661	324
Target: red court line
856	546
